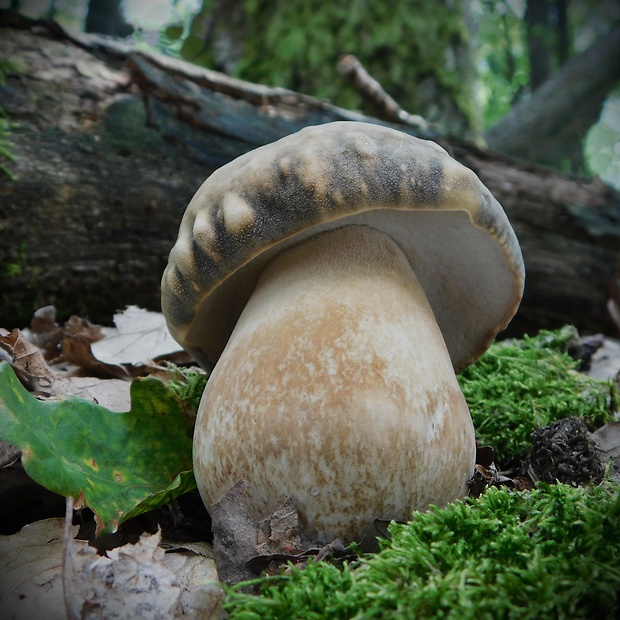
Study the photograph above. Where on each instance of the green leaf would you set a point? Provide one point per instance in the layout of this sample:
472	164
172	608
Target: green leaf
118	464
174	31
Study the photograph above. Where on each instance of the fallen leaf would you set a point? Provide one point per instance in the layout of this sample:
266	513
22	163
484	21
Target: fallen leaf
78	351
280	532
44	570
113	394
45	333
9	454
118	464
235	535
608	438
30	572
28	360
138	581
128	582
140	336
605	362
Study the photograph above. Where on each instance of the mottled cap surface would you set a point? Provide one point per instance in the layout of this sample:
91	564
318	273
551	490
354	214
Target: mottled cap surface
456	235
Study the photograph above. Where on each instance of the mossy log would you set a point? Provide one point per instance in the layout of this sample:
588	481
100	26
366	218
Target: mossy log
112	142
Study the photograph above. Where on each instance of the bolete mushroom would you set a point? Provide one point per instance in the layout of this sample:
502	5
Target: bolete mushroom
337	278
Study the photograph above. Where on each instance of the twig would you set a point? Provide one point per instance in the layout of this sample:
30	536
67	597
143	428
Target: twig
370	89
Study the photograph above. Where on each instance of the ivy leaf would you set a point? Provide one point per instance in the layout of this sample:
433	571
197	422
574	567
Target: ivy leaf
118	464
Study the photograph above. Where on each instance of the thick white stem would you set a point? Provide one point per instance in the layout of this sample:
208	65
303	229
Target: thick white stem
336	389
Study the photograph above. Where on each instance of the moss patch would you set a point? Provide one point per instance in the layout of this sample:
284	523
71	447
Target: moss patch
554	552
520	386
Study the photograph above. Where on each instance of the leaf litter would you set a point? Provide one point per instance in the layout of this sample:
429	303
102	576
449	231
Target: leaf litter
47	572
118	464
274	541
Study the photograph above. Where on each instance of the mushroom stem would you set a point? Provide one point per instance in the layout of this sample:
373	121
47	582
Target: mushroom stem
336	389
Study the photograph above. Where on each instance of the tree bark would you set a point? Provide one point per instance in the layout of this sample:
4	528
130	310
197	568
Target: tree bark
112	143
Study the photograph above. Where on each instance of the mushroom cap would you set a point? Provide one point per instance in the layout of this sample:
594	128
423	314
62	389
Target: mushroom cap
455	234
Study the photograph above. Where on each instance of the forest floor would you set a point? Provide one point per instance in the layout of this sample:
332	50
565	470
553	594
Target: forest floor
98	364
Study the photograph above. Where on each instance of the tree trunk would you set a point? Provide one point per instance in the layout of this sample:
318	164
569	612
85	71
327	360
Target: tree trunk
106	17
562	109
538	41
112	144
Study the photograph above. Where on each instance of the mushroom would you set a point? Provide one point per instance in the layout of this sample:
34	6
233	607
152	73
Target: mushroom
337	278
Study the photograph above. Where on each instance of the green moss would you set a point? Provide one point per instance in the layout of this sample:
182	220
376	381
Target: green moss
7	67
551	553
12	270
518	387
188	385
15	267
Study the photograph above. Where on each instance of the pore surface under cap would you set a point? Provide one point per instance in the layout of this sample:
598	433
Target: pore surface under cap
455	234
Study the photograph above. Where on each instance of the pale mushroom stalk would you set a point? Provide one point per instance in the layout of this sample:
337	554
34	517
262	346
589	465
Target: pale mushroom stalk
335	363
337	279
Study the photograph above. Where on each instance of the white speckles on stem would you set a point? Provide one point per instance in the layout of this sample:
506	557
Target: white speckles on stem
336	378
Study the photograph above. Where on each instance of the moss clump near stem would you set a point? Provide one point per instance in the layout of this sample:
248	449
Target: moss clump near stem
550	553
188	384
519	386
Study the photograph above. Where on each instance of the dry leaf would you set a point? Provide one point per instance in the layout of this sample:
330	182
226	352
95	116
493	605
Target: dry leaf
28	361
44	332
280	532
47	382
30	572
140	336
235	535
78	351
606	360
113	394
138	581
9	454
608	438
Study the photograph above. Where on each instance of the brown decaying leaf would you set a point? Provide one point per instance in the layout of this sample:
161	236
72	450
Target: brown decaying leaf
53	382
46	334
30	366
244	548
135	347
77	351
235	535
280	532
46	573
9	454
55	360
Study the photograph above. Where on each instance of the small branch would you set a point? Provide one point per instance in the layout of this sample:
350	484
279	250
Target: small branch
370	89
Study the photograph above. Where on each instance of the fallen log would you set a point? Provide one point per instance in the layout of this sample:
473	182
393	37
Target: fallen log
112	142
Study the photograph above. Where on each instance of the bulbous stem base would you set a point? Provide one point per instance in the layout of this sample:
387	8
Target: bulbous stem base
336	389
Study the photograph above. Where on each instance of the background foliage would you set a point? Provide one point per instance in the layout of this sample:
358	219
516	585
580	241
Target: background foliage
421	52
460	63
